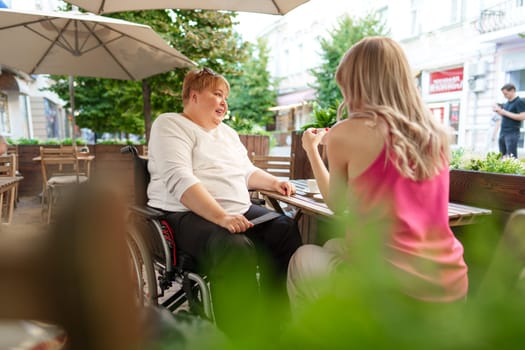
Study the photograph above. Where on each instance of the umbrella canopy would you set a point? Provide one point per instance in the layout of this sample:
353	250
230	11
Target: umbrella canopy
275	7
81	44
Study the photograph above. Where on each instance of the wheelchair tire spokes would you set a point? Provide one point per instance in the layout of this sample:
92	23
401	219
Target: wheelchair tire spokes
142	268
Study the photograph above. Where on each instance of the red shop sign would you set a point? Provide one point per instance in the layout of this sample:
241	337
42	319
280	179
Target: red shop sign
446	81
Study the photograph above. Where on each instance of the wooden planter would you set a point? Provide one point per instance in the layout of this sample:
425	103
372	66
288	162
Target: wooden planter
110	166
31	185
502	193
256	144
301	165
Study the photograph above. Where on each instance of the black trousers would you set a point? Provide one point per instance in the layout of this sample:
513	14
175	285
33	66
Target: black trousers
231	261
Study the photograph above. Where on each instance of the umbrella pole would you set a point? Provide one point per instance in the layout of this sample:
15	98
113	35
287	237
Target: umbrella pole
72	103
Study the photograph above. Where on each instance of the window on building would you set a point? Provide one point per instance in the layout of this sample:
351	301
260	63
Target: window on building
456	11
52	123
5	122
414	17
382	13
517	77
23	100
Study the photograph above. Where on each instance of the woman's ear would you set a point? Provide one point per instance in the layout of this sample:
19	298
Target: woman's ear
193	96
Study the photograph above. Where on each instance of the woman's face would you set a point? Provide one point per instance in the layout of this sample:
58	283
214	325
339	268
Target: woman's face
213	104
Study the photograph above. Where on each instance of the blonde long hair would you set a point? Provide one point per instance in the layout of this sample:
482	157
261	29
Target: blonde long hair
376	82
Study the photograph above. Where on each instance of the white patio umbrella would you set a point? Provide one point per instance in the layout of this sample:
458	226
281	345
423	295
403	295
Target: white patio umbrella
275	7
83	44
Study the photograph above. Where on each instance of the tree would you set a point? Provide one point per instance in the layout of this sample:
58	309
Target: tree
206	37
252	92
348	32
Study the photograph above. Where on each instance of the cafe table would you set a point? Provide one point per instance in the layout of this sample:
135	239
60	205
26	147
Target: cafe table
309	206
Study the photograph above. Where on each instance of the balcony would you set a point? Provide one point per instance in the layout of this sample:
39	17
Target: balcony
508	14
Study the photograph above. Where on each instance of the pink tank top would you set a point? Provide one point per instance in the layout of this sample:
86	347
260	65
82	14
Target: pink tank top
422	249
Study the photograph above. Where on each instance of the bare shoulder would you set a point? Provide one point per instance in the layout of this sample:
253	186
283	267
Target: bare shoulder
357	142
357	131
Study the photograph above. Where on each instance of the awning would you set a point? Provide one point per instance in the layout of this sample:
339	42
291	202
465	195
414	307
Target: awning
10	82
297	97
280	108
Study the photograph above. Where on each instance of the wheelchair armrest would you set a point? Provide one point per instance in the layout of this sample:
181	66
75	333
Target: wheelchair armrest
147	212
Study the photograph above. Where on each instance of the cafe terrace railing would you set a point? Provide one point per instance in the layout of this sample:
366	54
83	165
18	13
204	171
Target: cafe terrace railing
109	164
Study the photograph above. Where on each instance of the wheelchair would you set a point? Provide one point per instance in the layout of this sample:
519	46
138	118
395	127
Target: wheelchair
157	264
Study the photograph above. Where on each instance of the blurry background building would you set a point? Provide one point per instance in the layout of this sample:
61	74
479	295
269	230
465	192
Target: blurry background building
27	111
461	51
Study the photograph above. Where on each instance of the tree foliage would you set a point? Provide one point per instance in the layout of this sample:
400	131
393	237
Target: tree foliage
347	32
253	91
206	37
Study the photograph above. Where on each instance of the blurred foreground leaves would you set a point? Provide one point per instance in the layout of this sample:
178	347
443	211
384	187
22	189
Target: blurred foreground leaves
361	308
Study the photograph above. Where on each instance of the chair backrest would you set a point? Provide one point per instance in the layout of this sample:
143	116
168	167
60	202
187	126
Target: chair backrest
59	161
279	166
13	149
141	174
8	165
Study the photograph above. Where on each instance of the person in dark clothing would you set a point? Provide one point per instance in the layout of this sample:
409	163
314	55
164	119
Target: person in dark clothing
512	113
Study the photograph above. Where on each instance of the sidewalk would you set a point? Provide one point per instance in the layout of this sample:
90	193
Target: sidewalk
26	218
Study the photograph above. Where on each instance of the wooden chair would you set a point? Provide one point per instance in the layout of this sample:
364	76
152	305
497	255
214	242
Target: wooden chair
279	166
60	169
8	194
13	149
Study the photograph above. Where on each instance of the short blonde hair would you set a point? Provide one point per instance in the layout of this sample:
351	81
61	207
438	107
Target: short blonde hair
200	80
376	82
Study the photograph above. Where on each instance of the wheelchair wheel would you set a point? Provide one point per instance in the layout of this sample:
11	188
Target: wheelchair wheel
142	269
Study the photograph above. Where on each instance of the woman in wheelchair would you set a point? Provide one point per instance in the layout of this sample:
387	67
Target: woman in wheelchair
200	175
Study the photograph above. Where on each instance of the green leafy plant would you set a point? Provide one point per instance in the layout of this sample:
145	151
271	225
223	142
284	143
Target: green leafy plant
493	162
24	141
68	141
115	142
245	126
323	117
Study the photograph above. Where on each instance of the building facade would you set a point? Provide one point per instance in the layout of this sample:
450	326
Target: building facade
27	110
461	51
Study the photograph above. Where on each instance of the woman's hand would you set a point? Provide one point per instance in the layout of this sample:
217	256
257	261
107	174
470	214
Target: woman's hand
235	223
312	138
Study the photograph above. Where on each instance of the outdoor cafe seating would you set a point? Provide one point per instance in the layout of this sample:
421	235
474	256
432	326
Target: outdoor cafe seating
8	186
62	167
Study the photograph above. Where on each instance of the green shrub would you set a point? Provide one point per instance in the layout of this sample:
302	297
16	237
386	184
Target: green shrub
25	141
493	163
323	117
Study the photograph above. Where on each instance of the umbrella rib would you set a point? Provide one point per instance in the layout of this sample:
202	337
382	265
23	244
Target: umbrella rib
277	7
53	42
101	43
101	7
178	55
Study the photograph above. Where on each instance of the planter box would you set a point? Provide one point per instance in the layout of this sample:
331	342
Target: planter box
256	144
109	167
502	193
31	185
301	168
